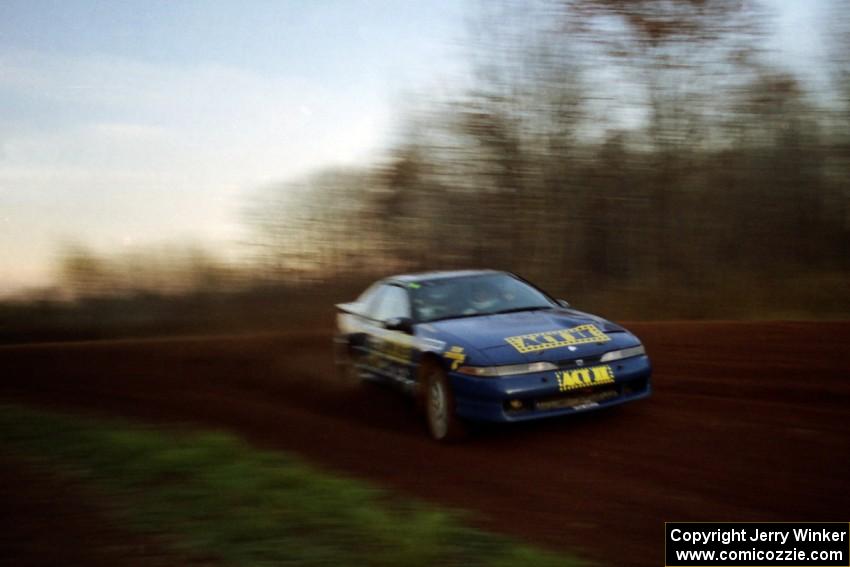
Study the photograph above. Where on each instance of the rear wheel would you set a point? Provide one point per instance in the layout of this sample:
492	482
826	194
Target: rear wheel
443	424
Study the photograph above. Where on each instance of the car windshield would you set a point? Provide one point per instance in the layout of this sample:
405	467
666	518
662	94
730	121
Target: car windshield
474	295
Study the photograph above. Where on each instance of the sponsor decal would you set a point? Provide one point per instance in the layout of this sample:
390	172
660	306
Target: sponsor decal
456	355
534	342
584	377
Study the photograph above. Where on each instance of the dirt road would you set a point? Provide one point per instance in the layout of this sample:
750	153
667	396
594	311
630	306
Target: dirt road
749	421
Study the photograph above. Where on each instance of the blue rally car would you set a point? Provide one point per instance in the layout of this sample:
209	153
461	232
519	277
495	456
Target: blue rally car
487	346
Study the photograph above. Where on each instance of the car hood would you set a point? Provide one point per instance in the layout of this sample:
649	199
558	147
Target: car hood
488	334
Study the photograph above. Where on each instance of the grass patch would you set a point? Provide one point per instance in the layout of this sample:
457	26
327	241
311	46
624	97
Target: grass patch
213	496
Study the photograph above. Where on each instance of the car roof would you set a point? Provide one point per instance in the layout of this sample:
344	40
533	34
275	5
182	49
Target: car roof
439	275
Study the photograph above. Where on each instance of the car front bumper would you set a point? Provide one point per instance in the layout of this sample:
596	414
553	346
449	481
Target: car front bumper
540	395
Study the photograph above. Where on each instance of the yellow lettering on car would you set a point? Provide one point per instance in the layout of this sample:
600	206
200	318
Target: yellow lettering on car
534	342
584	377
456	355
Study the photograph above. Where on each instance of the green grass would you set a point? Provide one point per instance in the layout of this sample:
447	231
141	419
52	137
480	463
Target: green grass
213	496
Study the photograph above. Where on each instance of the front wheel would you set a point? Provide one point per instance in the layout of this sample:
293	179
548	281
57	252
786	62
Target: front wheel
443	424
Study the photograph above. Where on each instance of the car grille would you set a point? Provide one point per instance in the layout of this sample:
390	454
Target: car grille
585	361
589	395
583	396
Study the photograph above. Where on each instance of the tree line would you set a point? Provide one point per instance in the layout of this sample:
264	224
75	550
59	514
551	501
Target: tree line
648	156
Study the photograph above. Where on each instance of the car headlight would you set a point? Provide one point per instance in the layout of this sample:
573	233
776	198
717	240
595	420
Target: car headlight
624	353
507	370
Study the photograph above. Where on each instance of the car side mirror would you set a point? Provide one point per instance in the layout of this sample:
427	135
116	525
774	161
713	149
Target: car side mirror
563	303
403	324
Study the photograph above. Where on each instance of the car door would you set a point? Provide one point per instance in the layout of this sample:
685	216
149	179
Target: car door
359	330
391	351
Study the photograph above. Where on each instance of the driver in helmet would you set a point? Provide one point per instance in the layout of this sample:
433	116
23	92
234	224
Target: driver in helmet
483	298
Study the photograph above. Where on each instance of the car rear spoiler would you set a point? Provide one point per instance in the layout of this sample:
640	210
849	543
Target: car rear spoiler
351	307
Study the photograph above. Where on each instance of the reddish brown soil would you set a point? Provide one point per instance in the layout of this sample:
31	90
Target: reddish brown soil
749	421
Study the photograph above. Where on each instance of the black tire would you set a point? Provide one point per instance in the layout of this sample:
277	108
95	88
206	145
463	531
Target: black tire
443	424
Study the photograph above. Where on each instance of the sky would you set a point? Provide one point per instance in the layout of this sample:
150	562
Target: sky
129	123
126	124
